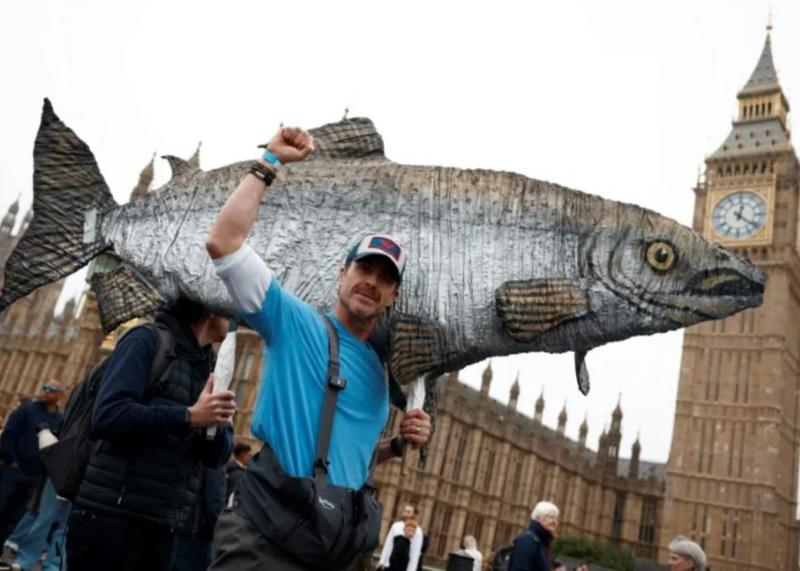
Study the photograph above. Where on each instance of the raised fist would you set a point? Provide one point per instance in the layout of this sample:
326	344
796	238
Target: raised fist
291	144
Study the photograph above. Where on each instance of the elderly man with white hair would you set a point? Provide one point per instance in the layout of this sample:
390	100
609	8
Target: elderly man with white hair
686	555
531	551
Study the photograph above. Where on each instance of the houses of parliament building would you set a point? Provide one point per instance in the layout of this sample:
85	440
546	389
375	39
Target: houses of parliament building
731	479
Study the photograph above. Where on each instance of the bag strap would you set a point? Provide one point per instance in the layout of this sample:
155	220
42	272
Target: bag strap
333	384
164	354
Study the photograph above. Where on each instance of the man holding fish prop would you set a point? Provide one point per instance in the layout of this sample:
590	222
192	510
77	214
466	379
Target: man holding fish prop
305	501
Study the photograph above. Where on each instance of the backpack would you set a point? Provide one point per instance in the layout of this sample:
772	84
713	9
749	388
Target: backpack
502	559
65	461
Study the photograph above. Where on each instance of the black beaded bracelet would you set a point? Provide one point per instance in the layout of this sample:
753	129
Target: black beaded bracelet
397	450
262	172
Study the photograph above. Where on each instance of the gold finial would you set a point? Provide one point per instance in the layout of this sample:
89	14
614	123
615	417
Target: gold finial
346	111
769	21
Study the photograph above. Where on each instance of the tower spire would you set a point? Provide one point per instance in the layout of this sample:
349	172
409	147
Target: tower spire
764	78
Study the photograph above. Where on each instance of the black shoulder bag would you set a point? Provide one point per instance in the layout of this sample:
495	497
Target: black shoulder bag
317	524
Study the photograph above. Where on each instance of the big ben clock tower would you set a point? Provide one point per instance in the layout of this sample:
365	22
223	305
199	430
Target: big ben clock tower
733	466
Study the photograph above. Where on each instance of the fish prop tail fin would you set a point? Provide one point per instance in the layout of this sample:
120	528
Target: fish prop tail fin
70	197
123	295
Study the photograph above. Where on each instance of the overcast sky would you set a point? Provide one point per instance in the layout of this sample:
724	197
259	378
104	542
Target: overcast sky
619	99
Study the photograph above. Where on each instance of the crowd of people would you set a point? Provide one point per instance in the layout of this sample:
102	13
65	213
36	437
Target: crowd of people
160	492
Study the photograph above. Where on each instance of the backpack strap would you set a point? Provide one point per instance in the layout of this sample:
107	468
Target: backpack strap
333	384
164	355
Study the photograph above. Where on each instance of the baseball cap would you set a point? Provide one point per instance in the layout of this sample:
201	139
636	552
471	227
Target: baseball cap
380	245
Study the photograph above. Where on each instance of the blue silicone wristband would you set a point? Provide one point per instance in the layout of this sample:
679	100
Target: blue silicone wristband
271	159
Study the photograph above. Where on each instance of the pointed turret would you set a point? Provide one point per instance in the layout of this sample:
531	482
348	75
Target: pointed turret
764	78
7	226
514	397
539	407
145	180
633	468
616	416
486	379
194	160
583	431
562	419
28	218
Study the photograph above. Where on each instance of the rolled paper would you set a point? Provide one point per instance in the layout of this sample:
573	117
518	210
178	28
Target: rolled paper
223	371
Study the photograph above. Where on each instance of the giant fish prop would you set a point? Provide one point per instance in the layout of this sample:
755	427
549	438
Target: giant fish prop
498	263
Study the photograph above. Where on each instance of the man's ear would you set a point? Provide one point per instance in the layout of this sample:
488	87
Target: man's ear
342	271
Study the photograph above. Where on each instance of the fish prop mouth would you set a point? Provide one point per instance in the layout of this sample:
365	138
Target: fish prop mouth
716	294
726	283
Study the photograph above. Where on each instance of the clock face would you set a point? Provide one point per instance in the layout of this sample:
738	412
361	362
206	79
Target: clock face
739	215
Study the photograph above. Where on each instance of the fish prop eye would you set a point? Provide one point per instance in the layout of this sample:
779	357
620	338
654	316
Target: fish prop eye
661	256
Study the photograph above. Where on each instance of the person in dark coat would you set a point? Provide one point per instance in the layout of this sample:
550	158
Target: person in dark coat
236	466
145	472
531	551
22	473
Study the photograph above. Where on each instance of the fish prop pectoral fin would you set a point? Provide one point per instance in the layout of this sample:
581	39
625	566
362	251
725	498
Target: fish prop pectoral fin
416	347
528	308
123	295
581	372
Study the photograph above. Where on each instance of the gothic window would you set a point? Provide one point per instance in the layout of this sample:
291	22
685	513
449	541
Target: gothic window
241	386
747	380
741	450
619	513
487	479
706	523
730	449
516	490
542	481
769	107
694	524
735	534
712	440
440	534
474	526
724	531
647	521
248	364
586	507
459	459
746	169
702	448
444	455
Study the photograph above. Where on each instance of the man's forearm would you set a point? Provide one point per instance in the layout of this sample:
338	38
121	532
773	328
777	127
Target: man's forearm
236	218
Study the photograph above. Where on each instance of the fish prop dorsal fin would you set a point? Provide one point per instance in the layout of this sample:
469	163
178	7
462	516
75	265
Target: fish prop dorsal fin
417	347
348	139
179	166
528	308
581	372
123	295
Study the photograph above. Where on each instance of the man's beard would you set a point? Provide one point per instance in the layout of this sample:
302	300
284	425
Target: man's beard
366	316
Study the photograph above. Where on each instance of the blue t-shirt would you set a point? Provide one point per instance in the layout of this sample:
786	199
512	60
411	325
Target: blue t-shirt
289	405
